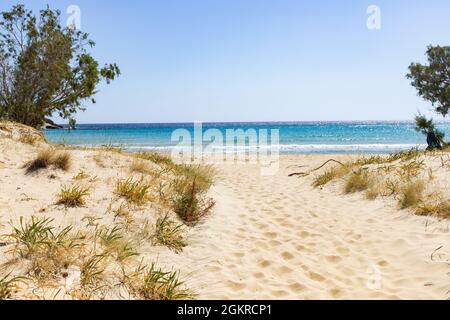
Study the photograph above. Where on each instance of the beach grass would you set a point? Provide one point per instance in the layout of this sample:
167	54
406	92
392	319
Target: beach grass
48	249
170	234
156	284
7	286
411	194
136	192
358	181
72	196
47	158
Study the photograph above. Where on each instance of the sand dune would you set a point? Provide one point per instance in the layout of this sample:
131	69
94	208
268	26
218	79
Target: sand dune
268	237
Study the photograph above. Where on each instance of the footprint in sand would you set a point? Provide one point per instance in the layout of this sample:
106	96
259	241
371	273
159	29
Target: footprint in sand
287	256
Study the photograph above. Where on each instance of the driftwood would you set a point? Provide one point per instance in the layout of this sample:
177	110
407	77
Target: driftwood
304	174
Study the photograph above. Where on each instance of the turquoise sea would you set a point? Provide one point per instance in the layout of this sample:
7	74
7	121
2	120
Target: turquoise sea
294	137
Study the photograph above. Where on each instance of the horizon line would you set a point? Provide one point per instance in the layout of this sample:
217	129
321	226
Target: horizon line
257	122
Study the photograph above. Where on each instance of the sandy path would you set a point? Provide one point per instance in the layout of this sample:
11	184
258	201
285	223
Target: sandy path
277	238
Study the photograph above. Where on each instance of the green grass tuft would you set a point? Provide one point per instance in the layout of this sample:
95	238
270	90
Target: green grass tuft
169	233
73	196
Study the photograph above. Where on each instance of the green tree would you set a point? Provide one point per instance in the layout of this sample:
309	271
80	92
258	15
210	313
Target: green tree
432	82
45	68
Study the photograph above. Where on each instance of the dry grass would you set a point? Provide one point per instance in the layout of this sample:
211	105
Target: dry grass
190	201
47	158
140	166
411	194
157	158
135	192
374	190
73	196
440	209
203	175
153	283
28	138
62	161
42	161
114	242
169	233
7	285
49	250
91	271
332	174
324	178
358	181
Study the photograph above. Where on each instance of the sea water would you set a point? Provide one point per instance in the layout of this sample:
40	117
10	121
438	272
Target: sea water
294	137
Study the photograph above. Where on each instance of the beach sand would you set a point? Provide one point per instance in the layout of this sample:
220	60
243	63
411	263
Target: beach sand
269	237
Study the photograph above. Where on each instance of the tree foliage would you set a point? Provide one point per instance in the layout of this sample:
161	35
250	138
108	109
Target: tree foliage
432	81
435	137
45	68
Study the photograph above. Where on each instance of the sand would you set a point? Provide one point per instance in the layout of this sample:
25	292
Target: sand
269	237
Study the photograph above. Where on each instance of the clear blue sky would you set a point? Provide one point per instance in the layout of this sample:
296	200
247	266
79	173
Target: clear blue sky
267	60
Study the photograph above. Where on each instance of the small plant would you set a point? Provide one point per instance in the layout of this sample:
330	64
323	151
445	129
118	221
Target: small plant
169	233
113	241
190	203
28	138
81	175
62	161
373	191
411	169
358	181
91	270
72	197
440	209
42	161
139	166
123	212
411	194
109	237
49	251
7	285
32	235
156	158
125	250
47	158
159	285
324	178
135	192
405	155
